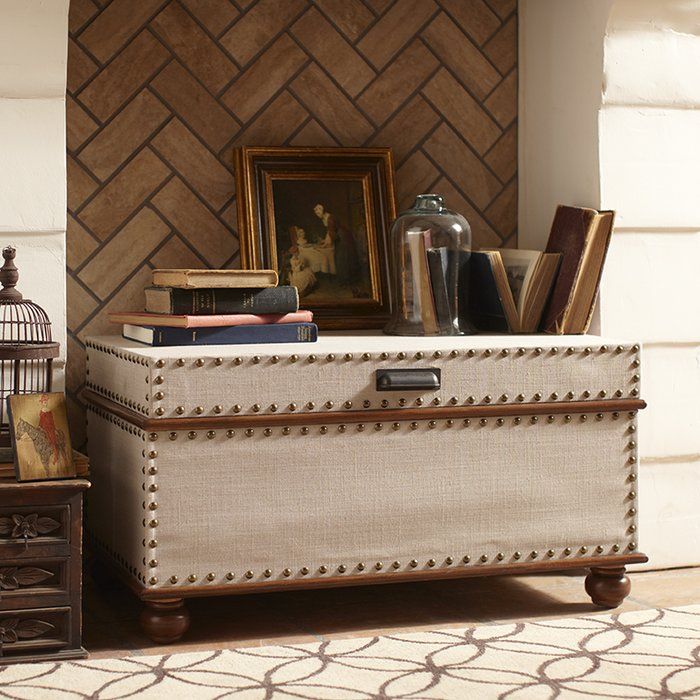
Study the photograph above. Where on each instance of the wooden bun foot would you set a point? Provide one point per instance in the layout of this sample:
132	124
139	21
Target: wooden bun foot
165	621
608	587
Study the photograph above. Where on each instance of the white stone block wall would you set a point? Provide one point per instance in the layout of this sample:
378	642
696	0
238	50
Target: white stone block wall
33	49
641	130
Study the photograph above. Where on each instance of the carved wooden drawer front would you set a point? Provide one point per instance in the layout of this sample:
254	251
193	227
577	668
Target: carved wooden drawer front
22	581
28	631
26	530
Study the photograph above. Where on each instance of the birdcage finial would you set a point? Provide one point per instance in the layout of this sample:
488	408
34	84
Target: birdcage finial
9	276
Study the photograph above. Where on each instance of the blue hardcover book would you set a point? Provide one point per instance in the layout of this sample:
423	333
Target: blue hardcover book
226	335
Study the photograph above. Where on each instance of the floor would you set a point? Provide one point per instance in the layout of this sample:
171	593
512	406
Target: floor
111	612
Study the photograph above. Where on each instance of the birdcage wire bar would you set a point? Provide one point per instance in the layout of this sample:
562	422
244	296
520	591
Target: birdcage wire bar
26	346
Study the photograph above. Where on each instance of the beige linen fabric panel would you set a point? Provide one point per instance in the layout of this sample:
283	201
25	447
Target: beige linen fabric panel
199	389
255	503
115	511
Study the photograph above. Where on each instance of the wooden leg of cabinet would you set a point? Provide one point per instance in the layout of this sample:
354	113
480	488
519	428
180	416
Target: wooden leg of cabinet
608	586
165	621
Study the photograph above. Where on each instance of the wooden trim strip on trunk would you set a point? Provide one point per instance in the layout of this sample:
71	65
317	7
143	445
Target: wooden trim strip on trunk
374	416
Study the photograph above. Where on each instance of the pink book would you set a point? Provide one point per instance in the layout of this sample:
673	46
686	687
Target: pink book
138	318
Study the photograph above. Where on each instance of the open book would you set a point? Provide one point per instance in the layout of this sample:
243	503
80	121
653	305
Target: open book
510	288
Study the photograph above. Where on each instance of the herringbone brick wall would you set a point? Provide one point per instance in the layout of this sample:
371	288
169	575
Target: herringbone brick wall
161	91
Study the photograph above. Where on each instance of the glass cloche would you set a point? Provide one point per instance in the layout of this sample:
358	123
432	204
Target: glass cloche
430	248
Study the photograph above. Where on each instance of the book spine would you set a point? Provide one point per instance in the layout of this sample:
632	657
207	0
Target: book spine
244	335
197	302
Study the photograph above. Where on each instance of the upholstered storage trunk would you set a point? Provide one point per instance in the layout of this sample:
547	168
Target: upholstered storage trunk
238	469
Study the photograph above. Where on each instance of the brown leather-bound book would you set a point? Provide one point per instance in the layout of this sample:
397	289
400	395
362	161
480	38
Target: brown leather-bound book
582	237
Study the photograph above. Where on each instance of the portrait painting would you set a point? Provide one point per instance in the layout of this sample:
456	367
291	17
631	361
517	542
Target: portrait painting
320	218
40	437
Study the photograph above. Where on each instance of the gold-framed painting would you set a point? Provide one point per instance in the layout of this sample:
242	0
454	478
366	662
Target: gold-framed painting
40	436
320	217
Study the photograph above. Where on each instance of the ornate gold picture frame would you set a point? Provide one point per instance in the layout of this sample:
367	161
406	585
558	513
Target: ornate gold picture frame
320	217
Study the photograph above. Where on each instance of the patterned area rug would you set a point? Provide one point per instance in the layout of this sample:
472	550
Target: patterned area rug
644	654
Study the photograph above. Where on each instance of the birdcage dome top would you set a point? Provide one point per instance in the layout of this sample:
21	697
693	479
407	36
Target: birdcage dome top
24	325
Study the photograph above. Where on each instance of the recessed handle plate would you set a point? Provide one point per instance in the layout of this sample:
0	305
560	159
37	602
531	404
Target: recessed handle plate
427	379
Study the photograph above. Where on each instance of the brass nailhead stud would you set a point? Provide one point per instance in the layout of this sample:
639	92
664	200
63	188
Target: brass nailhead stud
256	359
329	405
267	432
348	356
286	430
311	358
153	563
342	428
632	428
534	554
360	427
550	553
249	432
567	551
550	419
521	351
599	549
431	562
378	426
567	418
330	357
158	396
554	351
586	394
192	578
471	353
153	544
402	402
366	403
484	558
449	422
436	401
153	506
396	565
361	566
173	579
267	573
599	416
631	444
470	399
211	434
432	424
304	431
466	558
538	351
517	555
449	560
466	422
635	377
437	354
152	436
237	361
615	415
632	545
287	572
483	421
533	419
199	362
249	574
199	410
366	356
635	348
554	396
401	355
322	569
487	399
632	528
520	397
454	353
275	359
347	404
583	417
634	392
152	454
218	408
153	471
419	355
500	421
419	401
379	566
517	420
504	397
616	548
210	576
384	356
395	426
153	488
153	523
256	407
538	396
505	352
413	563
310	405
229	576
180	362
293	358
237	408
413	426
488	352
219	361
153	580
583	549
292	407
323	429
454	400
500	556
632	495
230	433
342	568
636	363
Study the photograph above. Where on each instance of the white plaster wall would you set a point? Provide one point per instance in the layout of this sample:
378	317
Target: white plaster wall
33	50
636	124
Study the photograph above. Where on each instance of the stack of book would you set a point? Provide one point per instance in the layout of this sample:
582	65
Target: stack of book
218	307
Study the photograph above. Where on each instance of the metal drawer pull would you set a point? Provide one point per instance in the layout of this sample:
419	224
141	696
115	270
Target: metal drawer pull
408	379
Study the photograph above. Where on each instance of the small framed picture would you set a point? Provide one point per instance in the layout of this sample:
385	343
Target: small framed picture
320	217
39	430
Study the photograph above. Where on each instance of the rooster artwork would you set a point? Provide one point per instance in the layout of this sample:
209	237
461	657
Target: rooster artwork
40	432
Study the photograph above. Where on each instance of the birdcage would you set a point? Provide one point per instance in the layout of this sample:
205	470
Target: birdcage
26	348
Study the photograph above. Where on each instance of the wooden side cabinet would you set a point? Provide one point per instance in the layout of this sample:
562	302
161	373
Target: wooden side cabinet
41	570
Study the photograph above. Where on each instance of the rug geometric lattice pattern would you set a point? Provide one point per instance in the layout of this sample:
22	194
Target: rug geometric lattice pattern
640	654
161	91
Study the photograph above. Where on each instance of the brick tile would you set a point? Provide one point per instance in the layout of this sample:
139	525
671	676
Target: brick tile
195	106
379	5
259	26
474	17
313	134
215	15
503	102
194	163
124	194
407	127
124	76
350	16
80	126
503	211
81	304
331	107
130	297
116	24
463	112
194	221
398	26
275	125
79	13
394	85
192	44
124	253
256	85
502	48
455	158
76	420
503	157
80	183
175	254
229	215
503	7
447	40
332	51
82	67
79	243
75	368
483	234
414	177
125	133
